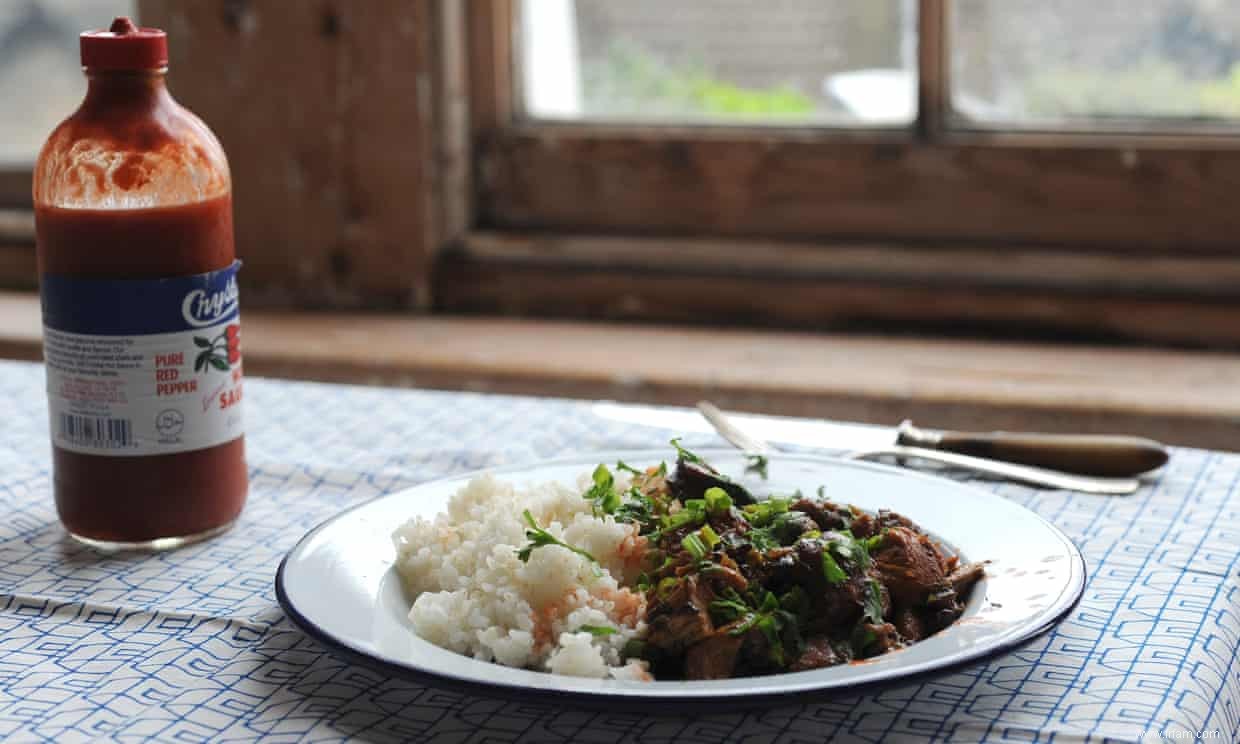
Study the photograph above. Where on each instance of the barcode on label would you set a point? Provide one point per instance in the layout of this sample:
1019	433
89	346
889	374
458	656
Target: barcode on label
96	431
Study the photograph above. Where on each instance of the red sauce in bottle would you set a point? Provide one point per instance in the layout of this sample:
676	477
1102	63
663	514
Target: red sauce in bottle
133	210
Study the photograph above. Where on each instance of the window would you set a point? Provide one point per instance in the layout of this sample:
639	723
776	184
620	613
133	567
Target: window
1052	167
850	63
1103	64
1033	184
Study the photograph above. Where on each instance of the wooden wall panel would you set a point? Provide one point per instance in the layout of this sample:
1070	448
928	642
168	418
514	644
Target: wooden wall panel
327	115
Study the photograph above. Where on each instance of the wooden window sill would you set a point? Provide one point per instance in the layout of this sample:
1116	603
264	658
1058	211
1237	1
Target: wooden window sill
1187	398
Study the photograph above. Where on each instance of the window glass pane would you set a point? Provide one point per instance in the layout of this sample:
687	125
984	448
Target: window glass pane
848	62
1072	63
40	73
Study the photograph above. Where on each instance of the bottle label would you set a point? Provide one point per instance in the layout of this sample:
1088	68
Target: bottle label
143	366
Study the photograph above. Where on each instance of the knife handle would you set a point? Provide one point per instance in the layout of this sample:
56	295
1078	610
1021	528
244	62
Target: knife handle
1084	454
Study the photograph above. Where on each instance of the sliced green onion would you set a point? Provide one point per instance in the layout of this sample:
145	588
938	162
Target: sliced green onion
598	631
831	570
682	518
761	513
694	545
709	537
717	500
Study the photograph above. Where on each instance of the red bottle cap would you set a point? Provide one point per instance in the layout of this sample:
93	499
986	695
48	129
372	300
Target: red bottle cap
124	46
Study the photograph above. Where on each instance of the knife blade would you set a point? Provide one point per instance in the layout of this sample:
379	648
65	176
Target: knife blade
1032	475
1105	455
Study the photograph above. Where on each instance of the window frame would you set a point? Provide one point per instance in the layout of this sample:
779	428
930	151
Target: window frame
554	199
487	213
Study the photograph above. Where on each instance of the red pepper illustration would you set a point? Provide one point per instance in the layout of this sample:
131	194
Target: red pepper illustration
210	355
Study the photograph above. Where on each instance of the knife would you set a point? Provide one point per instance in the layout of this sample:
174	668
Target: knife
1011	471
1106	455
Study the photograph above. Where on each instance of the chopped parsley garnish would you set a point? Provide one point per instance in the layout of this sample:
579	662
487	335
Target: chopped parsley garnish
762	539
540	538
757	464
848	548
603	492
624	467
639	510
769	618
598	631
872	607
685	455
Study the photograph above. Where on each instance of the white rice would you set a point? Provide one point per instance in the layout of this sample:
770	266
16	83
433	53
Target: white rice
474	596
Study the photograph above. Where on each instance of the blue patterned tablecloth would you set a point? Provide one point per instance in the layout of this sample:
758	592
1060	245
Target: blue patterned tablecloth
191	646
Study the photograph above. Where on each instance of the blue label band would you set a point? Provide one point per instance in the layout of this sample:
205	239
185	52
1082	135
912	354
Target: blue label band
137	307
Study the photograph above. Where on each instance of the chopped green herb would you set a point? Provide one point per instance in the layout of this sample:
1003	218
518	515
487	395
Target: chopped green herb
761	513
769	618
639	510
717	500
634	649
795	601
685	455
598	631
682	518
762	538
862	638
724	611
872	607
695	546
622	466
849	548
757	464
830	569
540	538
709	537
770	628
872	543
603	492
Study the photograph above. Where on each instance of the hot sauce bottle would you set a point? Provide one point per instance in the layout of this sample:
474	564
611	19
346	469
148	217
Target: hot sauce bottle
138	282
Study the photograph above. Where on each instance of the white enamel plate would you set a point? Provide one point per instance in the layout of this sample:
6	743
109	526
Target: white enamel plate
339	586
